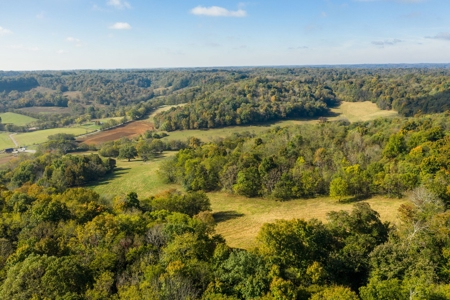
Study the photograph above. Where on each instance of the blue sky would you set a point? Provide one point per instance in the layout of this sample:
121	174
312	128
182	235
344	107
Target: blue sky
107	34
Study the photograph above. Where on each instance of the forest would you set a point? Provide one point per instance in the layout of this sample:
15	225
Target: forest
59	239
223	96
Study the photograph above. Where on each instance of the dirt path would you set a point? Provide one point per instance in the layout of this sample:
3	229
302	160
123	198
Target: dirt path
14	141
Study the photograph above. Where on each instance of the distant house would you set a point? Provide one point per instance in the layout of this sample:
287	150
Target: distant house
33	128
9	150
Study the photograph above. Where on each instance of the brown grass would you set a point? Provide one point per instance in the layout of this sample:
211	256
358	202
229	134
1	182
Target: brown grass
361	111
240	218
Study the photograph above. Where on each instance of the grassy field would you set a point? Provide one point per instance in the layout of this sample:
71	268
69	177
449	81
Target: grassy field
5	141
40	136
361	111
16	119
135	176
161	109
239	218
352	111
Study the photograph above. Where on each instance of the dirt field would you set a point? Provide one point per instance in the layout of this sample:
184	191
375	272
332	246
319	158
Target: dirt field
130	130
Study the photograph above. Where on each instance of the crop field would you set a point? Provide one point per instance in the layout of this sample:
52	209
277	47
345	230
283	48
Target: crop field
129	130
47	110
40	136
16	119
238	218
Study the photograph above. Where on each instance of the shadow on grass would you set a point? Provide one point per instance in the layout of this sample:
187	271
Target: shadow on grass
354	199
223	216
117	173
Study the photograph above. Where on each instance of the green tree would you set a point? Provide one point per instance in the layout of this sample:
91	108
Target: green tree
127	151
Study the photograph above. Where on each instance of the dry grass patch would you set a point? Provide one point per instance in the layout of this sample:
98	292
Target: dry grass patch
240	218
361	111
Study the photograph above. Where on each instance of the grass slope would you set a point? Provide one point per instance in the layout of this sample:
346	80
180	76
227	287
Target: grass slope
40	136
352	111
361	111
239	218
135	176
5	141
16	119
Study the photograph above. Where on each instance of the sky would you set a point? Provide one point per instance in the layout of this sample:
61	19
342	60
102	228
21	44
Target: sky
110	34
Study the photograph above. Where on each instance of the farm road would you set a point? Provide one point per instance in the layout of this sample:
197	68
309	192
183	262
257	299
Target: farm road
14	141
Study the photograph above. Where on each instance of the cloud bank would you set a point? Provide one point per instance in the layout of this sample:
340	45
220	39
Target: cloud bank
216	11
440	36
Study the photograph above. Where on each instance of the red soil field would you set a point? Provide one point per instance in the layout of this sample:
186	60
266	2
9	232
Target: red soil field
130	130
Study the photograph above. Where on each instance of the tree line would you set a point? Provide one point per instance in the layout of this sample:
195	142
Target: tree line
386	156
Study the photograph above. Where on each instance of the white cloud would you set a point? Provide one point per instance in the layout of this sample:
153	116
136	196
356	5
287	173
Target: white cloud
73	40
4	31
216	11
387	42
119	4
440	36
60	52
121	26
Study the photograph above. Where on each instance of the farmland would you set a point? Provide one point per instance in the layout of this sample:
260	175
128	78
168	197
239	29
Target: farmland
5	141
238	217
16	119
129	130
40	136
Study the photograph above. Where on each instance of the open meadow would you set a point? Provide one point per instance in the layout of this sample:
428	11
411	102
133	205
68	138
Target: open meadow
5	141
239	218
40	136
352	111
16	119
360	111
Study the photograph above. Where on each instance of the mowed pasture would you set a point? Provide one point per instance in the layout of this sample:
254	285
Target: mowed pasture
238	218
5	141
40	136
134	176
16	119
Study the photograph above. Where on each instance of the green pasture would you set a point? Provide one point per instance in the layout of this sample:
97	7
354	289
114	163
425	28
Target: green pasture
40	136
5	141
238	218
16	119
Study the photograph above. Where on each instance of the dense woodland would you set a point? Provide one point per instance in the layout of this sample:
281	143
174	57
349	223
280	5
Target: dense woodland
61	240
226	96
386	156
